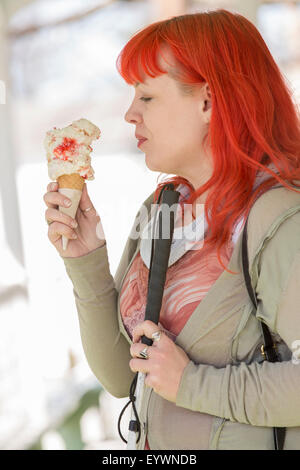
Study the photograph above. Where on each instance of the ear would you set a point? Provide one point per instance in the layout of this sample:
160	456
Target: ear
206	103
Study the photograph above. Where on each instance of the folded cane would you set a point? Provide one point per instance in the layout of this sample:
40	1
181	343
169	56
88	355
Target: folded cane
160	253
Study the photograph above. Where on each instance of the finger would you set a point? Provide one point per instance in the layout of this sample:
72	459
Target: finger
54	199
86	203
52	186
137	348
139	365
146	328
57	229
54	215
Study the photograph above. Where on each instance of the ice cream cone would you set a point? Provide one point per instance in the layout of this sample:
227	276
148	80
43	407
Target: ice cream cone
69	161
70	186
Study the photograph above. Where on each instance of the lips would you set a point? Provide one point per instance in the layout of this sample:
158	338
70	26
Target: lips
141	142
140	137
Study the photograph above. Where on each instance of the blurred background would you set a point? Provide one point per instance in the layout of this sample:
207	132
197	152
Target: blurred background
57	64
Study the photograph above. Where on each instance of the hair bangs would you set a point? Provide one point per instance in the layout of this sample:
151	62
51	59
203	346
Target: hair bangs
139	57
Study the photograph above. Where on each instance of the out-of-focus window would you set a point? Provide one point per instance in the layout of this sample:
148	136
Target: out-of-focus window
279	24
63	67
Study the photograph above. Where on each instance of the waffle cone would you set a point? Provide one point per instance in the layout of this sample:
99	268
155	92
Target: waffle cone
73	181
71	187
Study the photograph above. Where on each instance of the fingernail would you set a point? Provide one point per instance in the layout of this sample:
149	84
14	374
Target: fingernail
74	224
67	202
74	235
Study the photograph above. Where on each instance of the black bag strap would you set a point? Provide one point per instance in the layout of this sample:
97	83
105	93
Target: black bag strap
268	349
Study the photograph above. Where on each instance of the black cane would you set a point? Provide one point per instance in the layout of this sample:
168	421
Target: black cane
160	253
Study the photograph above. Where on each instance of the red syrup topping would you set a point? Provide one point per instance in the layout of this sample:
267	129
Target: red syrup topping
68	145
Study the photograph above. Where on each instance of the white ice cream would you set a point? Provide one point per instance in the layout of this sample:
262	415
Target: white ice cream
68	149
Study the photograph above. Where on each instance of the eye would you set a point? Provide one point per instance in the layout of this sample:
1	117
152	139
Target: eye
145	99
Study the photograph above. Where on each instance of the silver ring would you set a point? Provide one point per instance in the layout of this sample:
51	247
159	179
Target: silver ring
144	353
87	209
156	335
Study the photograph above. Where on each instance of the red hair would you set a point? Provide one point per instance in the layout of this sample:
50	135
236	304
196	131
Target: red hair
254	120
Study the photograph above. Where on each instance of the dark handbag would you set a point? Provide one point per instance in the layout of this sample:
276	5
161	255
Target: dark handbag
268	349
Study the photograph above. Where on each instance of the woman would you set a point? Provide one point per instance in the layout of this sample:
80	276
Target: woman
216	113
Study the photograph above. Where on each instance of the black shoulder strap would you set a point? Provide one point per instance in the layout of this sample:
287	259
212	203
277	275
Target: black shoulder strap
269	348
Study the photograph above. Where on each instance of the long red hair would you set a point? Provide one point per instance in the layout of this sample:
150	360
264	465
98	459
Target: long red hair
254	120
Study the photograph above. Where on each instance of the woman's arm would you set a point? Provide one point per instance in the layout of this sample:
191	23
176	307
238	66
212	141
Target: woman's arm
106	349
96	296
260	394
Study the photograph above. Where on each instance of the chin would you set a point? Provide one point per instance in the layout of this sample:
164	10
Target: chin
150	163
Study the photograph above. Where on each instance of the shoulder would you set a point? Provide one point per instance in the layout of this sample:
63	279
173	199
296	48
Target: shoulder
140	220
267	215
150	200
272	204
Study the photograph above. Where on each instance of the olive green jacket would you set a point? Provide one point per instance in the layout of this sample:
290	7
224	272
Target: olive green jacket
228	398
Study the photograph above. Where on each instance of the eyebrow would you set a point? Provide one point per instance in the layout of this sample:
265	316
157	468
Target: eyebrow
138	83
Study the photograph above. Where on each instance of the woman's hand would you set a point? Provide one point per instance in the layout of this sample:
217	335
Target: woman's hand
89	232
165	364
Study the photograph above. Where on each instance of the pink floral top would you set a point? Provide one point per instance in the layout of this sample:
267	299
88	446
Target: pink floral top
187	282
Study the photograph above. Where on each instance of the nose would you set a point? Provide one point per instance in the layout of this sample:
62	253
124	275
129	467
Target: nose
132	115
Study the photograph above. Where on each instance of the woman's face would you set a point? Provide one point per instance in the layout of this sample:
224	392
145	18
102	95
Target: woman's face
174	125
